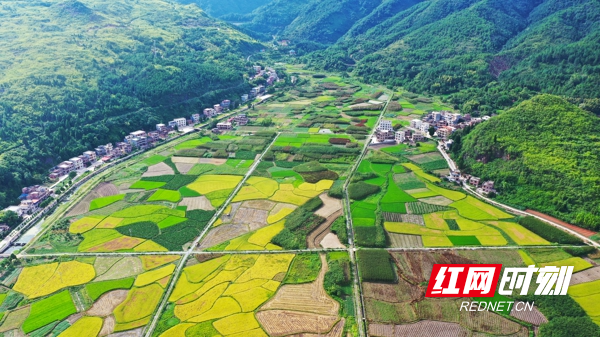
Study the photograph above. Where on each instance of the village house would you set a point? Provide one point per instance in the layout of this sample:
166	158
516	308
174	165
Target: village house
178	123
138	142
256	91
244	98
474	181
451	118
154	136
209	112
424	127
218	108
196	118
241	119
138	133
385	126
455	176
418	137
384	135
36	192
102	150
90	155
77	163
224	126
445	132
27	206
14	209
161	127
225	104
416	124
400	136
488	187
125	148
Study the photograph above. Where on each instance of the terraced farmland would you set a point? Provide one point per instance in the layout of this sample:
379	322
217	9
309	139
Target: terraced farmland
244	295
417	193
86	296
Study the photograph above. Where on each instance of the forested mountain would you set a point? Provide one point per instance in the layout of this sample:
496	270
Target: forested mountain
76	74
217	8
543	154
487	53
313	23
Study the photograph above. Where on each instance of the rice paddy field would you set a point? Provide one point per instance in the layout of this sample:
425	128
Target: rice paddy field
403	199
252	295
87	296
281	188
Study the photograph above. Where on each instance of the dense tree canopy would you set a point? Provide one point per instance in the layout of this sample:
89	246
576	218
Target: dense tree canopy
543	154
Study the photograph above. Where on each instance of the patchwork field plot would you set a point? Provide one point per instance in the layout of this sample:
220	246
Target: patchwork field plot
103	190
276	207
413	208
113	297
399	309
161	209
243	295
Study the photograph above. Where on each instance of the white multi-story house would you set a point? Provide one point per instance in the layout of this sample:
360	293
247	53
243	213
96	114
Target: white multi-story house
424	127
451	118
385	126
160	127
416	124
138	133
400	136
196	118
77	163
244	98
179	122
224	126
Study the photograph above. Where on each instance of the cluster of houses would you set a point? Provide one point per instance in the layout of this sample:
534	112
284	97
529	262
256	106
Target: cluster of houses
446	122
240	120
486	187
31	198
443	122
269	73
385	134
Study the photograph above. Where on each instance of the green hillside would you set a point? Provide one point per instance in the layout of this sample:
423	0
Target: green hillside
483	52
76	74
543	154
